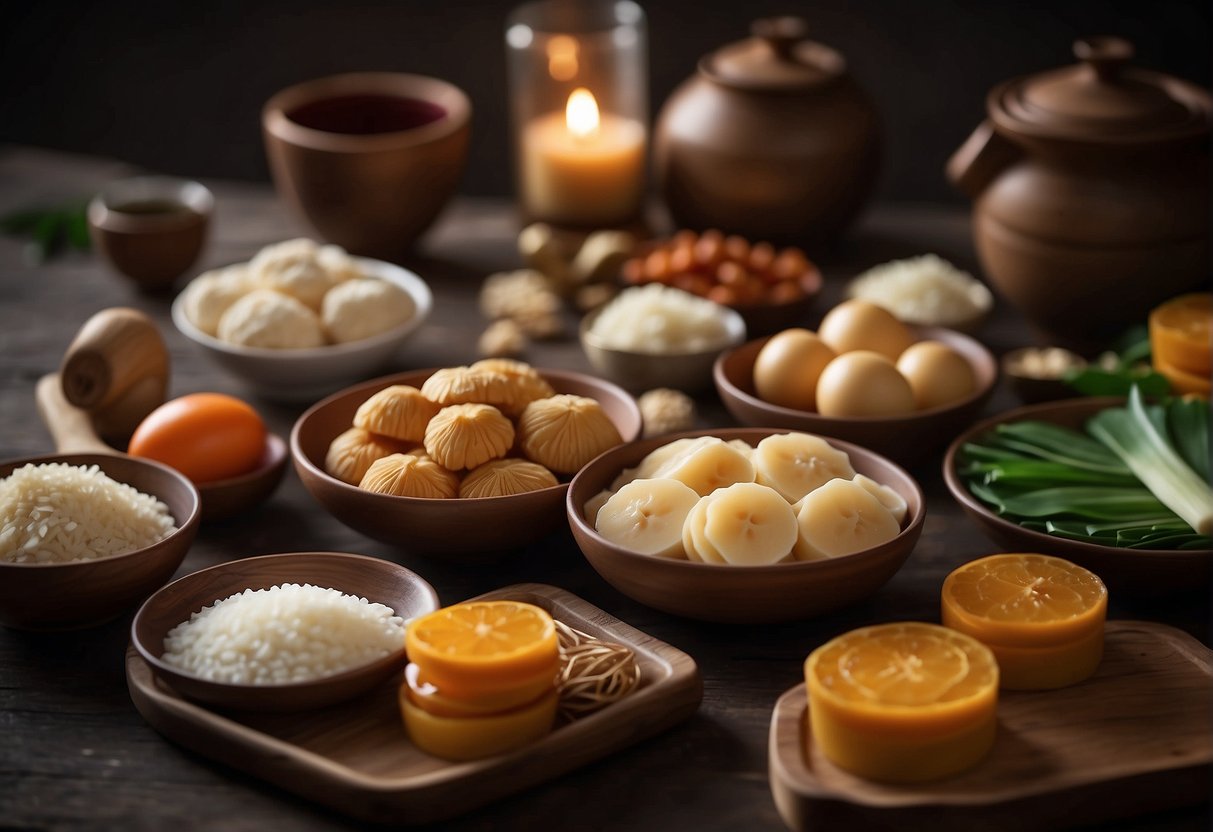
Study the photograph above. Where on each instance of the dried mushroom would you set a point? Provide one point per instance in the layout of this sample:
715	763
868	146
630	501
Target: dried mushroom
399	411
352	452
410	475
467	435
564	432
503	477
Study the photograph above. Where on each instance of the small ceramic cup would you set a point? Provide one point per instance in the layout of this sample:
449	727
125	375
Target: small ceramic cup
151	228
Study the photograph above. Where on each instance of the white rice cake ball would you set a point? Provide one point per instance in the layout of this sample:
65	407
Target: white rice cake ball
210	294
358	309
338	263
269	319
293	268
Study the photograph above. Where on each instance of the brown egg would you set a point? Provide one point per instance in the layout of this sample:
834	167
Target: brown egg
788	366
937	374
863	384
859	325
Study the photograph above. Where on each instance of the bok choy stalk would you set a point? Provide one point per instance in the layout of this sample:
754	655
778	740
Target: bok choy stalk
1134	437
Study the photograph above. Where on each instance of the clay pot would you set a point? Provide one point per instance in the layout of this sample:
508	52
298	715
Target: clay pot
1091	192
772	140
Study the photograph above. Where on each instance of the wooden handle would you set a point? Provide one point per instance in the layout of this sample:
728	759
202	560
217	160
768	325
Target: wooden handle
71	427
117	368
984	155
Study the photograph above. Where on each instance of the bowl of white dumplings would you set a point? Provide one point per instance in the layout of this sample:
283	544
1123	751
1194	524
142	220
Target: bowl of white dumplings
300	319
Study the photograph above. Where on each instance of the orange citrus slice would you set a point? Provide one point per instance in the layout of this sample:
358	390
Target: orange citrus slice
434	700
1181	333
1183	382
481	645
904	702
474	737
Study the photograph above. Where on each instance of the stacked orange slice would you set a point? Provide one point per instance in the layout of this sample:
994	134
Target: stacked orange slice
481	678
1043	617
1181	342
902	703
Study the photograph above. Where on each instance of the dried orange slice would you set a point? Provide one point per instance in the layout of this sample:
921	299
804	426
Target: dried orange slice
434	700
1181	334
904	702
481	646
475	737
1043	617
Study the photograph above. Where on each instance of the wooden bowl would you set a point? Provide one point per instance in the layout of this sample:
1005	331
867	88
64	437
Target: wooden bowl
470	530
68	596
379	581
304	374
640	371
1133	572
906	439
743	594
236	495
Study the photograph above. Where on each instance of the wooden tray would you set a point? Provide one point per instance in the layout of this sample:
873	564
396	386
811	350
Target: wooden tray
356	757
1135	738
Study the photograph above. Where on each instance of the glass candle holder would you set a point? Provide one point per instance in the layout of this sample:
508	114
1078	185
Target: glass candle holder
578	75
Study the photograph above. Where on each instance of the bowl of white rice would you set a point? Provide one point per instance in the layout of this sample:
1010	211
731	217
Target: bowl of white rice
85	537
285	632
657	336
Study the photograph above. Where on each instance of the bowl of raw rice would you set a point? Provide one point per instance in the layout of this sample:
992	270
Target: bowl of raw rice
288	632
85	537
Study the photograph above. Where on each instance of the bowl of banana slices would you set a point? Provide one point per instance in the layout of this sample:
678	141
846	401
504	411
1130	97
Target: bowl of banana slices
745	525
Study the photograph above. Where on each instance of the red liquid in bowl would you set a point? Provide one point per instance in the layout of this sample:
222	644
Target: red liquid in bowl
364	115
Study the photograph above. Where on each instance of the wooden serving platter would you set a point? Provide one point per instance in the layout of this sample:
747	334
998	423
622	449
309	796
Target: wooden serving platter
1135	738
355	757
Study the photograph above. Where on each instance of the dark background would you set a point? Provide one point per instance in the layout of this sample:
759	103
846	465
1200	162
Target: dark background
178	87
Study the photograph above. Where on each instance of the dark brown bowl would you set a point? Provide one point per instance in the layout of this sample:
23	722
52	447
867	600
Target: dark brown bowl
236	495
469	530
372	193
769	318
379	581
1133	572
907	439
68	596
743	594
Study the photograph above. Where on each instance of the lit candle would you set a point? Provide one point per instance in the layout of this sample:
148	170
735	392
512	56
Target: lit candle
582	167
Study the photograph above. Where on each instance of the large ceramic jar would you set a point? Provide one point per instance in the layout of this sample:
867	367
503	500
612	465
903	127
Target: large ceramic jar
772	139
1091	192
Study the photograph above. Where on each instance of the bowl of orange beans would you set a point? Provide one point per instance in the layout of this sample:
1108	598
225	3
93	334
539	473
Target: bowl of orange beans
772	288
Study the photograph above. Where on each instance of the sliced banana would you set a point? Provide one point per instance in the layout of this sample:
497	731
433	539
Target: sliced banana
796	463
647	516
750	525
648	466
709	464
743	446
888	498
596	502
696	545
840	518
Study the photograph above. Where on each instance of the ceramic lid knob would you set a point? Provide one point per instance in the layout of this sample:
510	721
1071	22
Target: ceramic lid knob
781	34
1105	54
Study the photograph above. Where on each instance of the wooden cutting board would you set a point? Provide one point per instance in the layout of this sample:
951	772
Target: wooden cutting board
1135	738
355	757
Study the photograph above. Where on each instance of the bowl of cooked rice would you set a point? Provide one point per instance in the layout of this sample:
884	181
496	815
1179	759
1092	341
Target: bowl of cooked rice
286	632
85	537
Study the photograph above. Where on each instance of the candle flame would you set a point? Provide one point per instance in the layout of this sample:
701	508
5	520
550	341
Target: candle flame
562	57
581	114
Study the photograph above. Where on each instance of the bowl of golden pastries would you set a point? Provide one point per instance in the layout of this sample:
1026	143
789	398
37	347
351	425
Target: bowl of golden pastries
300	319
466	463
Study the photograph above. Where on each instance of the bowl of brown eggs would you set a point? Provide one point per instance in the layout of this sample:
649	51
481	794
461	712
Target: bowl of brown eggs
300	320
466	463
864	377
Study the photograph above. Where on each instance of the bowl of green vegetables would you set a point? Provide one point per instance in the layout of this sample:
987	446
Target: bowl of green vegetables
1119	486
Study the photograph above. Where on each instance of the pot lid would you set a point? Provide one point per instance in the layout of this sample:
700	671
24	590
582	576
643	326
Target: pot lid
1103	98
778	58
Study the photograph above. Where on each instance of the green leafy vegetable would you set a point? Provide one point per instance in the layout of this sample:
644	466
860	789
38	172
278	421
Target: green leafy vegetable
50	229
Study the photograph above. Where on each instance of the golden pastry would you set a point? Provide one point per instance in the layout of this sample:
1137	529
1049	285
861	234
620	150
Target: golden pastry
353	451
466	435
399	411
526	385
565	432
410	475
502	477
463	385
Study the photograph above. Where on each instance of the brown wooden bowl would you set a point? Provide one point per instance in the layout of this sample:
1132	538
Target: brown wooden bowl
69	596
1133	572
906	439
468	530
742	594
379	581
236	495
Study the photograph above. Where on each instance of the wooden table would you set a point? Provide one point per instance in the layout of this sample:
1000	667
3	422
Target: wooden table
74	753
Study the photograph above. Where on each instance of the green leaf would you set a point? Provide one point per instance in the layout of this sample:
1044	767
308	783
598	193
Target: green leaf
1089	502
1094	381
1188	425
1058	444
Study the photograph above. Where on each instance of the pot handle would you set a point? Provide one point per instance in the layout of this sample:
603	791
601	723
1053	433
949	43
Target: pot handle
982	157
